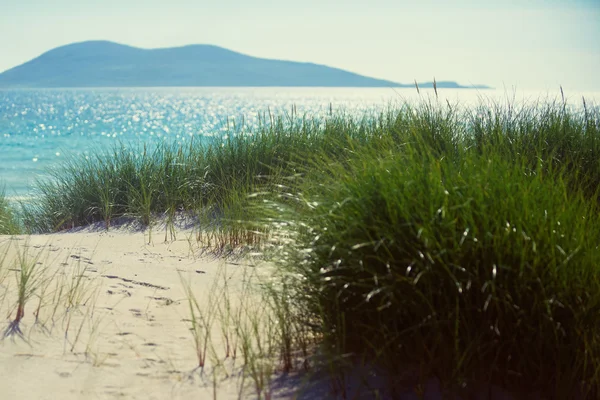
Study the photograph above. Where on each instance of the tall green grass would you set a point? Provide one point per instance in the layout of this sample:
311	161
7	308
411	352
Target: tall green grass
460	246
552	132
9	225
206	177
470	271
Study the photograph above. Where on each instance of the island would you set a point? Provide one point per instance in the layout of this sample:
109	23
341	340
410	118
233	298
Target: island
109	64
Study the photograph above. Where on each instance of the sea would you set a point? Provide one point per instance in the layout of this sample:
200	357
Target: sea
41	128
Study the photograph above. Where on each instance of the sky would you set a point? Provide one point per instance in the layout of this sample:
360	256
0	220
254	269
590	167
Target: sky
512	44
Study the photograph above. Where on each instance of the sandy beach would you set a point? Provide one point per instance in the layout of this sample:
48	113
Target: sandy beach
125	330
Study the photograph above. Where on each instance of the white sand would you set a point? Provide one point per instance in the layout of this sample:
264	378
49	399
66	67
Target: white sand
135	339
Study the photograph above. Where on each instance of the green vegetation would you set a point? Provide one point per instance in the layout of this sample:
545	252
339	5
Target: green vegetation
207	178
37	297
468	270
8	221
458	243
463	246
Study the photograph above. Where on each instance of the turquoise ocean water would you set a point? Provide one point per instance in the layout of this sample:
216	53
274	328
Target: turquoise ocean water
38	128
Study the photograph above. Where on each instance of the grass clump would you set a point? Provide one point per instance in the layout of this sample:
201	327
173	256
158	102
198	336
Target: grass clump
205	177
461	270
471	259
29	281
9	224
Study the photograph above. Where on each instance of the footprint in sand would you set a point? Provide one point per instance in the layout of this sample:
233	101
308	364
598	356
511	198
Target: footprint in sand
164	300
84	259
136	313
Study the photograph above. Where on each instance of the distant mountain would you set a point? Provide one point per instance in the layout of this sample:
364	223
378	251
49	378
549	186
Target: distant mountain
108	64
449	85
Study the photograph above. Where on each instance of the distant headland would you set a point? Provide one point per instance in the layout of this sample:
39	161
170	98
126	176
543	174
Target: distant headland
109	64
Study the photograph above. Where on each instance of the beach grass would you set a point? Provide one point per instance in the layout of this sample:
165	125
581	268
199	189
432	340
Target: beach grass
459	243
463	247
38	295
470	271
209	177
245	326
9	224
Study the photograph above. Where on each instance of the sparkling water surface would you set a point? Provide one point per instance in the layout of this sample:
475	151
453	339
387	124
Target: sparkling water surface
38	128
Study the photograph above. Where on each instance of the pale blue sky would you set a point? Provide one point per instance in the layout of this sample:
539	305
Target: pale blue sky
529	44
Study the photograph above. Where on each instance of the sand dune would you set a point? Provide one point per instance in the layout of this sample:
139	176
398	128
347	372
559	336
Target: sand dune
130	335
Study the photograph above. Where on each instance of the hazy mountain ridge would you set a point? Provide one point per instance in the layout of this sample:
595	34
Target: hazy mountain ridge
108	64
